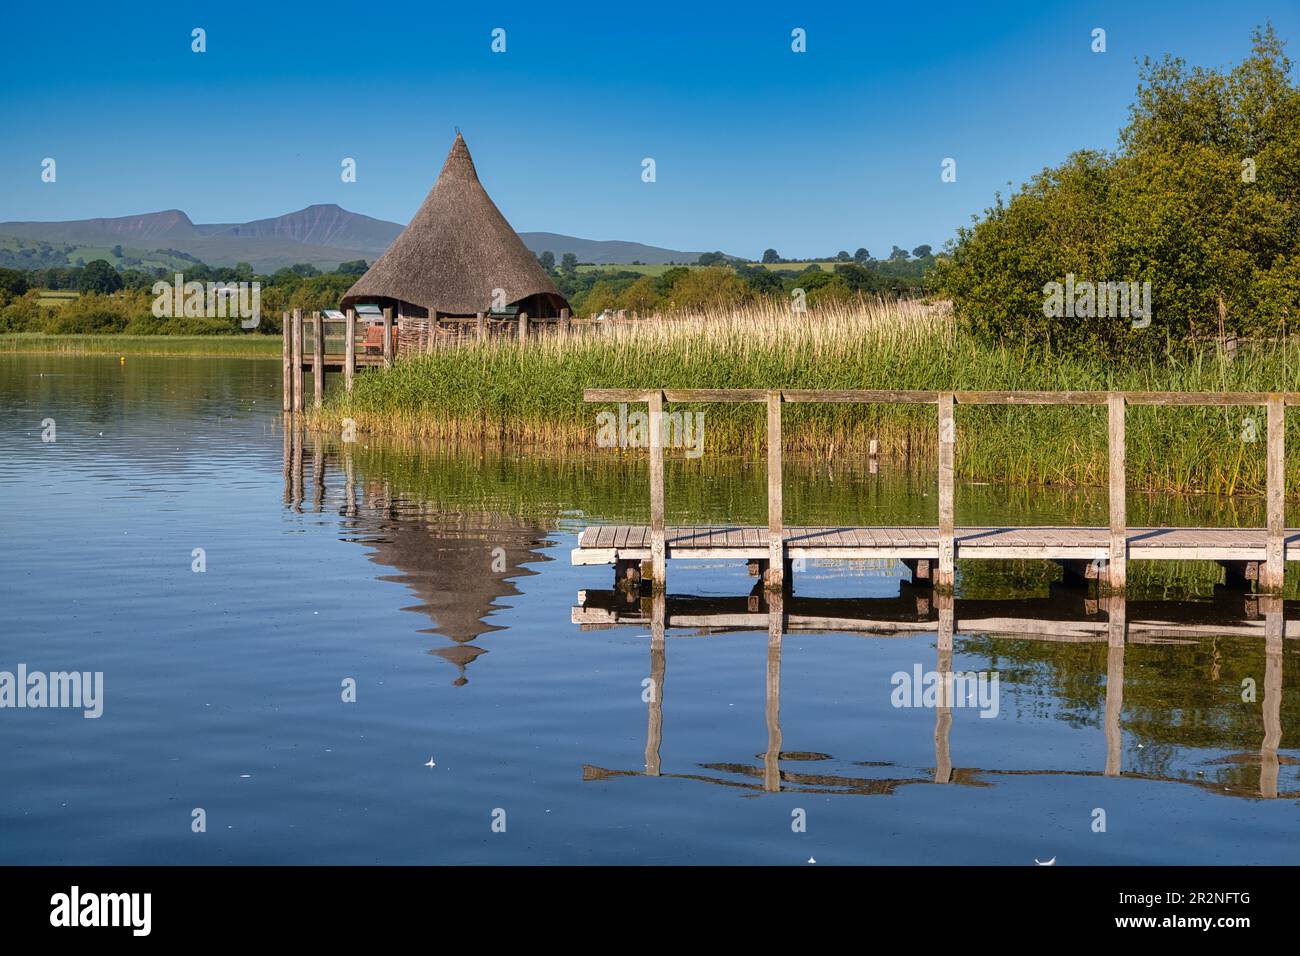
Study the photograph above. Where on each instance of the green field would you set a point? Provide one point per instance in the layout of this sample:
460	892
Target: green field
228	346
826	265
47	298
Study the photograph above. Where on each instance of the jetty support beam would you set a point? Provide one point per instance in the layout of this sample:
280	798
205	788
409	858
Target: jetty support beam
943	579
776	564
658	549
1275	552
1117	478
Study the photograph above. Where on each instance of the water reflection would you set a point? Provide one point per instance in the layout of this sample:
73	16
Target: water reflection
458	564
1122	625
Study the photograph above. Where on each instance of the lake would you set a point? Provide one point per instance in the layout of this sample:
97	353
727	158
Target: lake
330	652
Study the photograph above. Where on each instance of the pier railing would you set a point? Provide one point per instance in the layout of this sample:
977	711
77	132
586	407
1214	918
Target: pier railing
314	331
1270	573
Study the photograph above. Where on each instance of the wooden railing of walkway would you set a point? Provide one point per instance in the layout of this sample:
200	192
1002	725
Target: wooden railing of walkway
1270	571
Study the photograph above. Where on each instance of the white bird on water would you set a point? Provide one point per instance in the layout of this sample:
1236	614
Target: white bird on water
431	763
1051	862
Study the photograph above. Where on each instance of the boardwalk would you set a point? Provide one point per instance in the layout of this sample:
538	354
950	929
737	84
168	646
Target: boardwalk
1255	555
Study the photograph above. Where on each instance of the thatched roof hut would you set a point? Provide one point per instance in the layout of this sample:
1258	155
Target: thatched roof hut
457	249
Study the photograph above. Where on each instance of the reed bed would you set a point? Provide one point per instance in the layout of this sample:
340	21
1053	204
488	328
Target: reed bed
499	391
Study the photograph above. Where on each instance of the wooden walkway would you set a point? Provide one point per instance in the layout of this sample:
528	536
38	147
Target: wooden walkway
607	544
1248	554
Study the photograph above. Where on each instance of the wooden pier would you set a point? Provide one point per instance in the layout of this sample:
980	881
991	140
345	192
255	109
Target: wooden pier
319	343
1249	555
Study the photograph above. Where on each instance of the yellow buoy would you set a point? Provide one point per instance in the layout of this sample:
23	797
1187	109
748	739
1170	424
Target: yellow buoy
122	359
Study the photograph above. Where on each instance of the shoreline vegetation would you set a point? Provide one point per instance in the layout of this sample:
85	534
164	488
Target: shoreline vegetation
498	392
197	346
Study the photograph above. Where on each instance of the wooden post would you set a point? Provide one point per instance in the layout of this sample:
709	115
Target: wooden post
286	331
297	360
946	574
658	548
658	671
1275	556
564	320
1118	477
317	359
523	327
388	338
775	505
1117	629
943	710
430	329
772	699
350	349
481	320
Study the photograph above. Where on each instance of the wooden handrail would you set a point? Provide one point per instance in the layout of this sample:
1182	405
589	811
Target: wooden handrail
1271	573
923	397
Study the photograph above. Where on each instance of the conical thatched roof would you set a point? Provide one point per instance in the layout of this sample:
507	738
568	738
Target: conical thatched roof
456	250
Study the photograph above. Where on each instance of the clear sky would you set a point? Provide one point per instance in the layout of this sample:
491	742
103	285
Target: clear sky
754	145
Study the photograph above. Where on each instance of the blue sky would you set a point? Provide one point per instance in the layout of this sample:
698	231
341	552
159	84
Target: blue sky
754	145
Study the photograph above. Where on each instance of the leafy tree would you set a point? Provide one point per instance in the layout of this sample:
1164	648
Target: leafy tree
353	267
770	255
13	282
117	252
711	259
569	264
710	288
843	256
547	260
1201	200
862	256
896	254
642	296
99	276
920	252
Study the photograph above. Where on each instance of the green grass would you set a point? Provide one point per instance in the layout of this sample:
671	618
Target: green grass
247	346
50	298
497	391
645	270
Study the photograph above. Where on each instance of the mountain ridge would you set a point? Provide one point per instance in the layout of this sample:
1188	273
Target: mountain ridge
323	234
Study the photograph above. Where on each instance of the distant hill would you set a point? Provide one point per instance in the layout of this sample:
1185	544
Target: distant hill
603	252
323	235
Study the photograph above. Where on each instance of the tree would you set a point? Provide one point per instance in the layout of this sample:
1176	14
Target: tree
569	264
710	288
861	256
99	276
920	252
897	254
843	256
117	252
770	255
353	267
711	259
641	296
13	282
547	260
1197	213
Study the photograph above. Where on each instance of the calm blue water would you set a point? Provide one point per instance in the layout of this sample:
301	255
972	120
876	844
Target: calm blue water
223	688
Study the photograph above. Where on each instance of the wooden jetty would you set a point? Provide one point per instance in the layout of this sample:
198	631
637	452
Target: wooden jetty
319	343
784	771
1249	555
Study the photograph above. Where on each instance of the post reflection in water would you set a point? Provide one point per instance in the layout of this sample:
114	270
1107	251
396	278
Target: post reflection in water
1106	618
458	563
